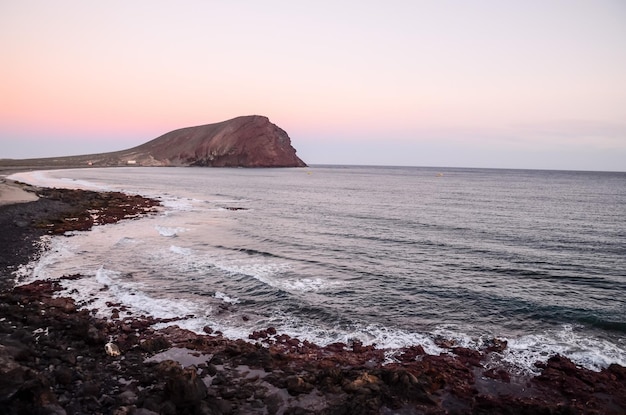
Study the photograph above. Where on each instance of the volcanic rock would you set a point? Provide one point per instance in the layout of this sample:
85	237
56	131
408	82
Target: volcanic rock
251	141
248	141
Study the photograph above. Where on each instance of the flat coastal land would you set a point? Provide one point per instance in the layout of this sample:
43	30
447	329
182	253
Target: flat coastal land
58	359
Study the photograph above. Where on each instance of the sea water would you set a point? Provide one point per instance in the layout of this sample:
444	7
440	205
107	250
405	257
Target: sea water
392	256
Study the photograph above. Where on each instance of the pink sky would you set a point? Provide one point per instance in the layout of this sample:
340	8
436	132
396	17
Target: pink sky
533	84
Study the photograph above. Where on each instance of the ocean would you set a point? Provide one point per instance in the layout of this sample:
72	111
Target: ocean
392	256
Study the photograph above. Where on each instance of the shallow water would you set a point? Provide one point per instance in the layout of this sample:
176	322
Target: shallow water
392	256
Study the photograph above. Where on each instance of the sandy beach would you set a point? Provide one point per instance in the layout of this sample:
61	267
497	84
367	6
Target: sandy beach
11	192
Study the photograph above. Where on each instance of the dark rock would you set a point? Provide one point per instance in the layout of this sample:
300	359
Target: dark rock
63	375
499	374
127	398
53	409
65	304
184	387
95	336
168	408
470	356
211	369
155	344
296	385
273	403
411	353
495	345
91	388
259	334
143	411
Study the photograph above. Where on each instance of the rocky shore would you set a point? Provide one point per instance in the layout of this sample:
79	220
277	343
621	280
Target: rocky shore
57	359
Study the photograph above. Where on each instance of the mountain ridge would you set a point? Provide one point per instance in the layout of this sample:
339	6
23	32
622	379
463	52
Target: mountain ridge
245	141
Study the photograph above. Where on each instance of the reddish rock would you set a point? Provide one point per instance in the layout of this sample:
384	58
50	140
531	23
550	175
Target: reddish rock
258	334
154	344
411	353
296	385
495	345
248	141
184	387
64	303
499	374
87	208
469	356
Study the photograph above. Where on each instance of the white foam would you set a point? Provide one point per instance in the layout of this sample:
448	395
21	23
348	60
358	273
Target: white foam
168	231
261	270
460	338
221	296
523	352
56	250
271	272
387	338
178	204
229	329
95	290
43	179
371	334
307	284
590	353
101	285
130	295
266	270
25	273
180	250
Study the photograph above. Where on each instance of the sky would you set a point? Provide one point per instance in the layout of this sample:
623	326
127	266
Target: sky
537	84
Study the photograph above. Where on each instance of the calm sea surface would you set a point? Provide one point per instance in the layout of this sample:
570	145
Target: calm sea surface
392	256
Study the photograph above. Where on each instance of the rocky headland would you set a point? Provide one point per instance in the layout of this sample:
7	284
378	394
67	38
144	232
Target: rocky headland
248	141
58	359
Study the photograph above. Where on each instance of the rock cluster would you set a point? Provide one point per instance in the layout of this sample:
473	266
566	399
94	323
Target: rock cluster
53	361
90	208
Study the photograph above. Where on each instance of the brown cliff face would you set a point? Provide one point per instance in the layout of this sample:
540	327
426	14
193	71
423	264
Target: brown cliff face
249	141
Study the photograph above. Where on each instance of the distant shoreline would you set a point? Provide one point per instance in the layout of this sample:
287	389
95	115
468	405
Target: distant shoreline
10	166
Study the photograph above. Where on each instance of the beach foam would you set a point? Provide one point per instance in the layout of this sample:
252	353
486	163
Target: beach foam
590	353
43	179
168	231
231	300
